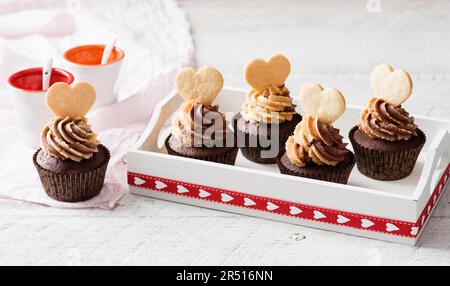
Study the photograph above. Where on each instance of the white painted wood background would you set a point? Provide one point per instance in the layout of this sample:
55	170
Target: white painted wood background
335	44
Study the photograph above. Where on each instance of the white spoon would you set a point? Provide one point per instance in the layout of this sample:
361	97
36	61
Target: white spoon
47	73
108	50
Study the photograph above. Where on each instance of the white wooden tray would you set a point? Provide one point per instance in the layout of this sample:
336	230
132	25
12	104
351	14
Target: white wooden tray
393	211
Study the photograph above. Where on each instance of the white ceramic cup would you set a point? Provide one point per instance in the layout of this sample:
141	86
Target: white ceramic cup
85	64
32	112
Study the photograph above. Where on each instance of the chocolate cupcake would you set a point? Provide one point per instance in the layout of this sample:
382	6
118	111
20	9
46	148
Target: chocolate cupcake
386	141
268	115
200	131
316	150
71	163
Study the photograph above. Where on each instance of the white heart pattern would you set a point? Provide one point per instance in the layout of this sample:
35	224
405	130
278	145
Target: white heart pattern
318	215
365	223
272	206
227	198
203	194
138	181
429	209
434	199
160	185
423	220
295	211
182	190
391	227
414	231
342	219
249	202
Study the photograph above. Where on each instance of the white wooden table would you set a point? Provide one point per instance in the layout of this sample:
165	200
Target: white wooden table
334	44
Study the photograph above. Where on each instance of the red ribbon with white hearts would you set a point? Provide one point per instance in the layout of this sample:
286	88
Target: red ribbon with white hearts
300	211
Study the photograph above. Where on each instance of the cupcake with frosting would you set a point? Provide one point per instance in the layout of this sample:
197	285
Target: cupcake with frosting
199	130
387	142
316	149
268	115
71	162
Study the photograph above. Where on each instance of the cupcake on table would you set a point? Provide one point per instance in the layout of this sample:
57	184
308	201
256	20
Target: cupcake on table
268	115
316	150
387	141
199	130
71	163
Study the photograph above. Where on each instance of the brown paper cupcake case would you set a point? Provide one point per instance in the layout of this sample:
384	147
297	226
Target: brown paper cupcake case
338	175
227	157
254	153
73	187
386	165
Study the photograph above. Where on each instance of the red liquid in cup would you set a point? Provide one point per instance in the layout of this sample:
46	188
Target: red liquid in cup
30	80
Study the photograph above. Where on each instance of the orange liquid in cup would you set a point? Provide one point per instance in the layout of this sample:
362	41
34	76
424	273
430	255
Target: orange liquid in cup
91	55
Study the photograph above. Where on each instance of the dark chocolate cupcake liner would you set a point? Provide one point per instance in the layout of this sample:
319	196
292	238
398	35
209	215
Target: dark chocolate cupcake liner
386	165
338	175
227	157
255	154
73	187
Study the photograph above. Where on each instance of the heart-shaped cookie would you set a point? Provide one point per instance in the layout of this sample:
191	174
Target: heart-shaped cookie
64	100
394	86
201	86
327	104
260	74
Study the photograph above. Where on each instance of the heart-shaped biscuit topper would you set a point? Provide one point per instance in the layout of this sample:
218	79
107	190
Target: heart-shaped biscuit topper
201	86
394	86
64	100
327	104
260	74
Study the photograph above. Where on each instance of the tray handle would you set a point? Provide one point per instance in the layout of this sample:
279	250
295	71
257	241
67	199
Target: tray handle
436	163
163	110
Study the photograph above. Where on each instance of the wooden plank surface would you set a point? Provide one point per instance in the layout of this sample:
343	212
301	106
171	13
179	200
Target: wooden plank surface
335	44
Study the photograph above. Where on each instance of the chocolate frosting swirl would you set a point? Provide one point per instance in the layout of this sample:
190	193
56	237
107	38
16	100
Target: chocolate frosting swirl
382	120
66	138
273	105
197	125
315	142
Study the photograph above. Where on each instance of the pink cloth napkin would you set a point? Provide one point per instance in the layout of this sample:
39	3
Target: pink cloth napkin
155	36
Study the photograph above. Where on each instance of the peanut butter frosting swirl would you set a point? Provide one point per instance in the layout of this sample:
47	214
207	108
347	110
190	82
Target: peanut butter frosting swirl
69	139
382	120
315	142
273	105
197	125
